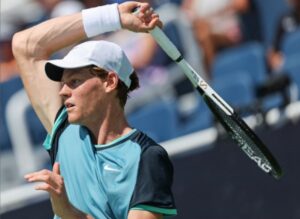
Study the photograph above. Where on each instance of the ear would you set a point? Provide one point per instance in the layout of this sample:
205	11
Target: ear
112	81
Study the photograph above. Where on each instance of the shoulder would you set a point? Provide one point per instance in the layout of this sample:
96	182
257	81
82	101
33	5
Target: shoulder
154	159
149	147
155	152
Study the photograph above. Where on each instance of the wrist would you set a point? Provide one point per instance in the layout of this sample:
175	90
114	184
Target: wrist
73	213
101	19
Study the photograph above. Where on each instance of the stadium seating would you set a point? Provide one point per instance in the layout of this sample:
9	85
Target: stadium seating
35	128
238	90
270	12
198	119
248	58
290	43
271	101
291	49
157	119
294	72
7	89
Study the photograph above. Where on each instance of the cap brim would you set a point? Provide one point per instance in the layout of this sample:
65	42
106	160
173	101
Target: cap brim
54	69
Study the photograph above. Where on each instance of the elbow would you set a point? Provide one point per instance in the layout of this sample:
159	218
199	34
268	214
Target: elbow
24	45
18	45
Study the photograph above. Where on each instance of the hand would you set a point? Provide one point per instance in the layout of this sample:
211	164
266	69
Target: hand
276	60
53	183
144	21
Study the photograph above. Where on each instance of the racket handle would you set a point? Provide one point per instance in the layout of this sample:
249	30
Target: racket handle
163	41
166	44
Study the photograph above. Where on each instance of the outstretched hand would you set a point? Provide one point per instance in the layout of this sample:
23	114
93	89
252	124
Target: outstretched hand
144	21
53	183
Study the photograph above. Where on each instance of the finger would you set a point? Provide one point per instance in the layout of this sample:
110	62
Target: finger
51	178
41	172
27	176
146	15
56	168
150	18
144	7
148	12
131	6
39	178
154	22
48	188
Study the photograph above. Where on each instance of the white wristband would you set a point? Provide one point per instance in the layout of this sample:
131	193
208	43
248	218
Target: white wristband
101	19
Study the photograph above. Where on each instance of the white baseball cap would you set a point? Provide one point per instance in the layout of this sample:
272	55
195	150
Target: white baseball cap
106	55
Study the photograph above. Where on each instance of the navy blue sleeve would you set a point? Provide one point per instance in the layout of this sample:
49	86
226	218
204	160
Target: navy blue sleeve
154	181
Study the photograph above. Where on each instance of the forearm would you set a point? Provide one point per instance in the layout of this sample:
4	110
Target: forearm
40	41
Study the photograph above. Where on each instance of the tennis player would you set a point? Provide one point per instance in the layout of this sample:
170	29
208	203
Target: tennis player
102	167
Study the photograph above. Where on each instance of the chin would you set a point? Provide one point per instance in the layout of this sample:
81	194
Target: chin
73	120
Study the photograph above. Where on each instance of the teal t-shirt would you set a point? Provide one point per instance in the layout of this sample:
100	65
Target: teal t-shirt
106	181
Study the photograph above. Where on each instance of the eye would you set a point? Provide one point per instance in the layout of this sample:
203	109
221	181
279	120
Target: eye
75	82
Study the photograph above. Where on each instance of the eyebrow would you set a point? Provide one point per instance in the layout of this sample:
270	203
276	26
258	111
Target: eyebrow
73	72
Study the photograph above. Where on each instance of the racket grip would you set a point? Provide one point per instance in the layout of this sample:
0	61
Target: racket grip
164	42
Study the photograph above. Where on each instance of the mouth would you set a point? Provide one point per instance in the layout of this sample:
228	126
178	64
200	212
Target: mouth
69	105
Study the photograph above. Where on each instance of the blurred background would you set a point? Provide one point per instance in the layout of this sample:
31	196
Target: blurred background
248	51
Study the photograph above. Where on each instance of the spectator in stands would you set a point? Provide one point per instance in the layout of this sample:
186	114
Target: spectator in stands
216	24
287	24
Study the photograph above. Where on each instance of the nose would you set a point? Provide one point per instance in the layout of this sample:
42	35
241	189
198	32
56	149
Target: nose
65	91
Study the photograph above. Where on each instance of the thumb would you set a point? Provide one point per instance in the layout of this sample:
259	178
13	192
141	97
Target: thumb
56	168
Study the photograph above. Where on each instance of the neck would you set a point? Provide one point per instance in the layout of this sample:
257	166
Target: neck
111	126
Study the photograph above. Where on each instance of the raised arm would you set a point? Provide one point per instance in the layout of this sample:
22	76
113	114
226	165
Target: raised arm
33	47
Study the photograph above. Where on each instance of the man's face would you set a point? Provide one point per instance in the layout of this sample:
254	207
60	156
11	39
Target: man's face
84	95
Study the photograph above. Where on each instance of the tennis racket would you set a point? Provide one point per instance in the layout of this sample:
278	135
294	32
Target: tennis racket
237	129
